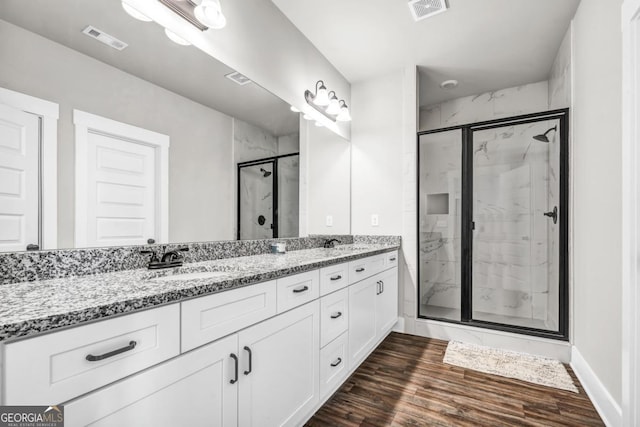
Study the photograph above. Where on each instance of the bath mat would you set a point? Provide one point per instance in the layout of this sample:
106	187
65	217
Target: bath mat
510	364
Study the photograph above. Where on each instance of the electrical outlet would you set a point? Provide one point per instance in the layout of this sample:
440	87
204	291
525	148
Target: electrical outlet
329	221
374	220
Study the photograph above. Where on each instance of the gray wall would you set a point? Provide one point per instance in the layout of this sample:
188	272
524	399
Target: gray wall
597	189
201	155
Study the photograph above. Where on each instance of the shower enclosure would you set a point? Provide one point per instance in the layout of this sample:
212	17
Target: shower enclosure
493	226
268	197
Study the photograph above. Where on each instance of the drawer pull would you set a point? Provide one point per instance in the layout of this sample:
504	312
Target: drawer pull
92	358
338	277
336	363
359	270
335	316
302	289
392	259
248	350
379	288
235	359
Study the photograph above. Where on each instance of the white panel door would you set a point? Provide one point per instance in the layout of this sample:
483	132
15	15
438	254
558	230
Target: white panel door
19	198
279	384
194	389
122	189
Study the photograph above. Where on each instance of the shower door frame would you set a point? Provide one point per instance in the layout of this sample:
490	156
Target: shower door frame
467	224
274	185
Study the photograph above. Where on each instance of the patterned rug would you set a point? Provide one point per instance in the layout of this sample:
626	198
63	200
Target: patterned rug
510	364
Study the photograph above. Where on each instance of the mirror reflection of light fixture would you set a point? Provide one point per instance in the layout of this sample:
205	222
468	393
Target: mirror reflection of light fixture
321	97
133	12
307	116
294	109
176	38
209	12
327	103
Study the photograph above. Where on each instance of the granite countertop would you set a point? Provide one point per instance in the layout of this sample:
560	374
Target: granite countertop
29	308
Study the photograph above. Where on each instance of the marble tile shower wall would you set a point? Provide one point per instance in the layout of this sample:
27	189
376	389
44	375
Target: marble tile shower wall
43	265
526	99
494	260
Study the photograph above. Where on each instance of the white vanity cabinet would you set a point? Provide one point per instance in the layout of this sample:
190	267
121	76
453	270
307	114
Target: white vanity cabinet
194	389
373	311
279	380
264	355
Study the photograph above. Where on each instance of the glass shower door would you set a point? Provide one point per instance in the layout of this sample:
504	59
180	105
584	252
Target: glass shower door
255	201
515	212
439	234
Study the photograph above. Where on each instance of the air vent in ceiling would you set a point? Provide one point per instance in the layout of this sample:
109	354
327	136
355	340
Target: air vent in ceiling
105	38
421	9
238	78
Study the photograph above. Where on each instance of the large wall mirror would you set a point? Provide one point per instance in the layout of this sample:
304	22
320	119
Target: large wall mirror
154	142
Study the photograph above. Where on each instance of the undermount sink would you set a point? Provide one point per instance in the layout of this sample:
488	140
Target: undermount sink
190	276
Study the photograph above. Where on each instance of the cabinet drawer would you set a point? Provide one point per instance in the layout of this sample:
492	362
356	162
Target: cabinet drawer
365	267
206	319
390	260
333	278
297	290
57	367
334	365
334	316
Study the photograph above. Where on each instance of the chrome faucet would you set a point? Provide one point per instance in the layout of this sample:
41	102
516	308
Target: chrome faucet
330	243
169	259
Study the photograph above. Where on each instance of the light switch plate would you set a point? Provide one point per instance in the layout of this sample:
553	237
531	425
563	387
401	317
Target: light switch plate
374	220
329	221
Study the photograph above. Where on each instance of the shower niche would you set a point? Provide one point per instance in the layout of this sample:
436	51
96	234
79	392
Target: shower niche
492	224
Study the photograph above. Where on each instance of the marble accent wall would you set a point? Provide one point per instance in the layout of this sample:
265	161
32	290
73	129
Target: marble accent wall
251	142
530	98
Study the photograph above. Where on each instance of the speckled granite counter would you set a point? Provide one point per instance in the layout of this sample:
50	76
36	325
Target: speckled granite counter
29	308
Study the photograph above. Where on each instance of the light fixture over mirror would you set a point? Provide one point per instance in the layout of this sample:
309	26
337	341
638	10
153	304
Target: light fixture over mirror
133	12
327	103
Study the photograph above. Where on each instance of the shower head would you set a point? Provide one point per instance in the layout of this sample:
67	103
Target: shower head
265	173
544	137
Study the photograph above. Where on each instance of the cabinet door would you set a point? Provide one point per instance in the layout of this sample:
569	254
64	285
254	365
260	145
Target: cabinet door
387	302
362	319
279	383
191	390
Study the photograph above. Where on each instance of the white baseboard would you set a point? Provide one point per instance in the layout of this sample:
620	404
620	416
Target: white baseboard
545	347
609	410
399	326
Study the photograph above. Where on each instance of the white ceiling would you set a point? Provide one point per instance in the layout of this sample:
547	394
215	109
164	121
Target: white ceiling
485	44
151	56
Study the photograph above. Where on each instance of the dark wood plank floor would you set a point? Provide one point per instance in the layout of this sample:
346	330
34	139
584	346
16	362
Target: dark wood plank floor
405	383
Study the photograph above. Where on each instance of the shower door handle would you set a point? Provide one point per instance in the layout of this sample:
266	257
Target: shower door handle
553	214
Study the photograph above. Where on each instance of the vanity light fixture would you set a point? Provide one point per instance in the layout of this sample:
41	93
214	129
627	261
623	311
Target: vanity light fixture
294	109
209	12
321	96
176	38
327	103
133	12
319	125
307	116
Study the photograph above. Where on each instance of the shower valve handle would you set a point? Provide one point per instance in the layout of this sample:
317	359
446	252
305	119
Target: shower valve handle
553	214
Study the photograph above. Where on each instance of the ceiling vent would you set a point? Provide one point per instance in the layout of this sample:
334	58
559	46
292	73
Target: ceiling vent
421	9
238	78
105	38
